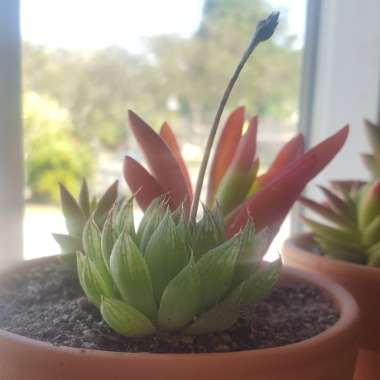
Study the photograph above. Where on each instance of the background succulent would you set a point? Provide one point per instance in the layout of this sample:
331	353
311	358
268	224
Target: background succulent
372	160
352	210
76	213
168	275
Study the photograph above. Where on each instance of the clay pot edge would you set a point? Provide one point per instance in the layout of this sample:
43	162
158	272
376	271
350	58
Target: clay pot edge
348	320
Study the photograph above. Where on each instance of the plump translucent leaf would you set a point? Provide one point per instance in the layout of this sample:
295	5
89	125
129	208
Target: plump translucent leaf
125	319
92	282
108	239
150	221
84	199
105	204
216	269
247	261
166	254
184	232
261	282
181	299
74	217
209	232
92	247
219	318
124	218
131	276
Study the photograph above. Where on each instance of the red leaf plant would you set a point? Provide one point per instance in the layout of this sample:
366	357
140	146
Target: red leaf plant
233	181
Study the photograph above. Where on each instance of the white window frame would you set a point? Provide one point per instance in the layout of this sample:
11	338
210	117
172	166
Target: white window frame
11	159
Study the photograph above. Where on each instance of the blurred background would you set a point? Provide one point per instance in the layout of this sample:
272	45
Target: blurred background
77	66
85	63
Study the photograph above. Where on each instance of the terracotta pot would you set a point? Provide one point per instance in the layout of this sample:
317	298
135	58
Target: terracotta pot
361	281
328	356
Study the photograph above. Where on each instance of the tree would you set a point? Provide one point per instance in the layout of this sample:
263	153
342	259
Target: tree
52	154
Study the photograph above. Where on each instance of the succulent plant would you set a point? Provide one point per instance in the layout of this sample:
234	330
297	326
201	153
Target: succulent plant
76	213
174	273
352	210
372	160
169	275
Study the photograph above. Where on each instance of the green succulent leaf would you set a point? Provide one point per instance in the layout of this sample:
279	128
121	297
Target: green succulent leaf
131	275
216	269
125	319
369	205
371	164
209	232
374	259
345	238
234	188
74	217
338	251
181	299
261	282
221	317
93	249
371	233
373	133
69	244
150	221
84	199
92	282
166	254
69	247
247	259
124	218
108	239
105	204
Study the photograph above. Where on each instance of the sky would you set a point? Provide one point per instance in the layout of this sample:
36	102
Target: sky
99	23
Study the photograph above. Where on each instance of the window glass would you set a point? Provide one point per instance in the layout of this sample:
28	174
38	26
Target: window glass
85	63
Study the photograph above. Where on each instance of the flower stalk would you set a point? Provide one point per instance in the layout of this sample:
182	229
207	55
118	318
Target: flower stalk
264	31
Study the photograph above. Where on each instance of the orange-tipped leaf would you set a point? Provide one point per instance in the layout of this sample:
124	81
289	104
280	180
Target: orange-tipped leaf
225	150
292	150
161	162
271	204
142	184
166	133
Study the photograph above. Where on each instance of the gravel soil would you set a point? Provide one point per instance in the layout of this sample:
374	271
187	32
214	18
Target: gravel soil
47	304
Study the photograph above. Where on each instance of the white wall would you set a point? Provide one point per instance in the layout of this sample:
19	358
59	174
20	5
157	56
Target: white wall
347	80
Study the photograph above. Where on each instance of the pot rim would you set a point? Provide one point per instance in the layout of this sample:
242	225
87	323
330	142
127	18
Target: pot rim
292	244
348	319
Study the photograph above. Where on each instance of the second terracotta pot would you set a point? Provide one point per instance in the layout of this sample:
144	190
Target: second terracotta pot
361	281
